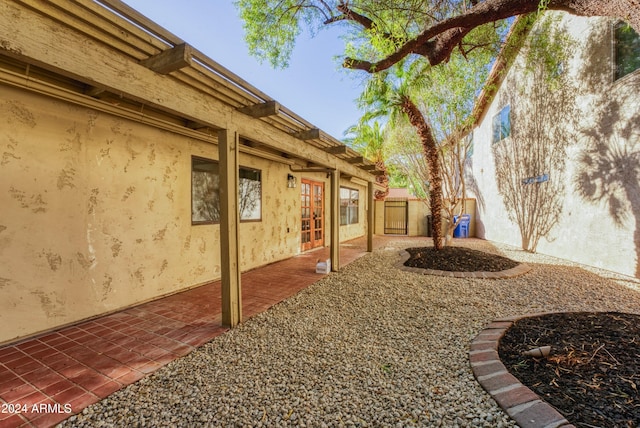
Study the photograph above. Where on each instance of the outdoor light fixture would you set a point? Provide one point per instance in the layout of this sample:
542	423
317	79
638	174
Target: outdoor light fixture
291	181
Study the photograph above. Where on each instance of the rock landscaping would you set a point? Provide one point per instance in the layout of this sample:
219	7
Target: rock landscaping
371	345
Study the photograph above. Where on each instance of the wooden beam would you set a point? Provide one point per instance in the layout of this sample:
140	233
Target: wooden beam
309	134
94	91
251	143
195	125
357	159
337	150
170	60
268	108
334	249
368	167
200	127
228	149
370	216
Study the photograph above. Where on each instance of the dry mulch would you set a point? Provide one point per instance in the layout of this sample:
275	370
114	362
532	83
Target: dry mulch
457	259
592	374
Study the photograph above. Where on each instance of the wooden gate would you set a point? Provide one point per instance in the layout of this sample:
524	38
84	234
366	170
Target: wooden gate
396	212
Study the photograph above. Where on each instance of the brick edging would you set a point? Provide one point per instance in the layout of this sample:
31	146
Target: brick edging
519	402
521	269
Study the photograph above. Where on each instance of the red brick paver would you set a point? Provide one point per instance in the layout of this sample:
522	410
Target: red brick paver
46	379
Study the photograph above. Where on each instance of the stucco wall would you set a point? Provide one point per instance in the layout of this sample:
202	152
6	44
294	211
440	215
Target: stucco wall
276	236
598	197
417	218
96	214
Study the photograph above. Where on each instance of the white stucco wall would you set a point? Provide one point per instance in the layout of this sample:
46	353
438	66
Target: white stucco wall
606	134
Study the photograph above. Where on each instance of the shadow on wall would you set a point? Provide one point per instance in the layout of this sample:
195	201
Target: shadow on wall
473	188
609	164
531	138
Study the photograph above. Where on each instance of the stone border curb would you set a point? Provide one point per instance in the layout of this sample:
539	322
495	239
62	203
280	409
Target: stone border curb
521	269
523	405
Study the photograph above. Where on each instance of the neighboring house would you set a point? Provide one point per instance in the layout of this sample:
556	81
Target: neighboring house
556	158
133	167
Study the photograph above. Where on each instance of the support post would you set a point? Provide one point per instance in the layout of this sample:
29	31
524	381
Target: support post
370	216
228	148
335	221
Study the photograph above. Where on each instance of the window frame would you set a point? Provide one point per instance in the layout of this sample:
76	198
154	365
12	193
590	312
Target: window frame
501	118
216	187
259	173
615	43
349	206
193	211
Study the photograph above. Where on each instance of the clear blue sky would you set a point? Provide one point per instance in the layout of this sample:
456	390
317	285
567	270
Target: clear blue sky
314	85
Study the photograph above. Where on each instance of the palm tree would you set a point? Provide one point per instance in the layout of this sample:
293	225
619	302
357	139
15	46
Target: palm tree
389	93
369	141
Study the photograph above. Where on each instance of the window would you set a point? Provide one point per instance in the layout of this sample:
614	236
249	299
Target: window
250	198
348	206
468	144
205	192
626	50
502	124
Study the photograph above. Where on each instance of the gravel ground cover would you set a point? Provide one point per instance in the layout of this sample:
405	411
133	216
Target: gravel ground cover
370	345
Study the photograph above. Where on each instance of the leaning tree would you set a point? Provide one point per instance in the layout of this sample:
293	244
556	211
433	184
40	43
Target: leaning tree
395	29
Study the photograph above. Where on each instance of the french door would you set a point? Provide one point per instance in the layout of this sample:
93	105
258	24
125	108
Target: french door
312	225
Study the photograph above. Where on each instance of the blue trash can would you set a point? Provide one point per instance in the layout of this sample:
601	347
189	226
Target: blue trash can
462	229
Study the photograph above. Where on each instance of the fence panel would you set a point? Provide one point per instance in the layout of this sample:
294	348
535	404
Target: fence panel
395	216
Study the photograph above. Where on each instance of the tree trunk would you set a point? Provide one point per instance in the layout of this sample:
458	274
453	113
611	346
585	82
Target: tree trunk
382	180
430	150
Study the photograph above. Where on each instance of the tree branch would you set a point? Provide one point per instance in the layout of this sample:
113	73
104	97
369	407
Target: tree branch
351	15
438	41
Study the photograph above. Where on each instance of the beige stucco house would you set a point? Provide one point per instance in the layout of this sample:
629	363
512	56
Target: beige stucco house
133	167
556	156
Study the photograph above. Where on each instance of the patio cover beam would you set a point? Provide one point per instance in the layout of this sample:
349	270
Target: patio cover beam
228	150
335	221
368	167
309	134
337	150
170	60
370	215
268	108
